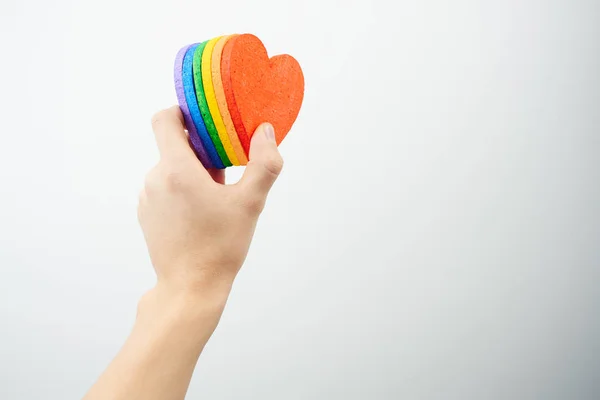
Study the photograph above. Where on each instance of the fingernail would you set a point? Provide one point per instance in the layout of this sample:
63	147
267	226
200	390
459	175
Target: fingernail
269	132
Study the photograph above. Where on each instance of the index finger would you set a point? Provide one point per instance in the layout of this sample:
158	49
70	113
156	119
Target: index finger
169	131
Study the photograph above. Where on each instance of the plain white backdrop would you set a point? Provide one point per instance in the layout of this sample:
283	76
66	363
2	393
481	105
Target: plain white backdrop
434	235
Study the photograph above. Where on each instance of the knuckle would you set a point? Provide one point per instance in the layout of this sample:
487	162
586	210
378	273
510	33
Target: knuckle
151	181
173	179
166	177
273	165
253	204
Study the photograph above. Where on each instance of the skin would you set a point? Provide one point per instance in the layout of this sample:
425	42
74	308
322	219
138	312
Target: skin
198	231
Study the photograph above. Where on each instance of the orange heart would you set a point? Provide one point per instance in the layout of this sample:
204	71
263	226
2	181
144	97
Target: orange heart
259	89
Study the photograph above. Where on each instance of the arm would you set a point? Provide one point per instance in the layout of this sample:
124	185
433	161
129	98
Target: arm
198	231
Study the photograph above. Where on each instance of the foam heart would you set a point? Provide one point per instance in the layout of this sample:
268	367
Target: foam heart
203	105
211	100
259	89
222	101
180	91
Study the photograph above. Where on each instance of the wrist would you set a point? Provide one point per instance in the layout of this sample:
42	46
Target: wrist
168	303
189	277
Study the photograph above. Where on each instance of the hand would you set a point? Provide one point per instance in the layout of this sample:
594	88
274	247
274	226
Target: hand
198	230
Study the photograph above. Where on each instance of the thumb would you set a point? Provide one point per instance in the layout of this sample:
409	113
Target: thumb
264	165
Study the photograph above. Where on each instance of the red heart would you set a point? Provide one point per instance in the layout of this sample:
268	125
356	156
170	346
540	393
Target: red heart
259	89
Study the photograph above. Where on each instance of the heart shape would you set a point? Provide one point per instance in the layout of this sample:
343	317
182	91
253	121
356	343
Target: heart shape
221	100
182	89
259	89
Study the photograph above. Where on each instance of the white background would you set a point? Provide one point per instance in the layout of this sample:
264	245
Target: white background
434	234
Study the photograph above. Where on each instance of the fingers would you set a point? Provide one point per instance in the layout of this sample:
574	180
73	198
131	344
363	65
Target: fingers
169	130
264	166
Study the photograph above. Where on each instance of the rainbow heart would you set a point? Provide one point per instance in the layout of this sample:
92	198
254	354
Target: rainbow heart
227	87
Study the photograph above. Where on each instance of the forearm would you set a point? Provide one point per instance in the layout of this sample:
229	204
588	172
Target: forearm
158	358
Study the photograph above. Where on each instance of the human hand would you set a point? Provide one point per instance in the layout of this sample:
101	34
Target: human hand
198	230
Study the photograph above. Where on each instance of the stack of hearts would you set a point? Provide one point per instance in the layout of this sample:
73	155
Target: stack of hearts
227	87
